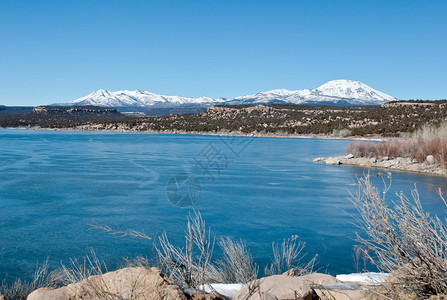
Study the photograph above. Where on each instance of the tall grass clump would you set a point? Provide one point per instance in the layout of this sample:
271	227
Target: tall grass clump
428	140
188	265
288	256
404	240
236	264
42	277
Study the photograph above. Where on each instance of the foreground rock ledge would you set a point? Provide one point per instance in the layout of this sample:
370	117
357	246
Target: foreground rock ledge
143	283
307	287
127	283
400	163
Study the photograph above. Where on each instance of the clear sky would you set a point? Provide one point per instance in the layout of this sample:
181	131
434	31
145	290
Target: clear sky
55	51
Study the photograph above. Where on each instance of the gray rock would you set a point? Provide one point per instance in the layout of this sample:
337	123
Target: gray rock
373	160
430	159
332	161
318	159
388	164
385	158
349	156
401	161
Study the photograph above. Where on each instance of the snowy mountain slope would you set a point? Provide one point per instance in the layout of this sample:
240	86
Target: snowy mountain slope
335	92
353	92
136	98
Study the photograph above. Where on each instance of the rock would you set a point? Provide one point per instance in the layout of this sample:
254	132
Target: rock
201	296
341	293
128	283
415	161
363	161
401	161
430	159
332	161
291	272
385	158
278	287
318	159
318	279
373	160
388	164
349	156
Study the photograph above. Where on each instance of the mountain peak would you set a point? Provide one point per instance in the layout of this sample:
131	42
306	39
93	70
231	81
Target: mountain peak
341	91
350	89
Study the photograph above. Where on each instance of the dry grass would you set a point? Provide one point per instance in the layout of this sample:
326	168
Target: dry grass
404	240
236	264
187	266
42	277
288	256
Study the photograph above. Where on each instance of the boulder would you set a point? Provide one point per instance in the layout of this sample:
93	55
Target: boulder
401	161
317	159
284	286
319	279
349	156
278	287
128	283
430	159
332	161
373	160
349	293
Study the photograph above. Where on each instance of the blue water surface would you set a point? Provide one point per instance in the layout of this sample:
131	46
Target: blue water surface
54	184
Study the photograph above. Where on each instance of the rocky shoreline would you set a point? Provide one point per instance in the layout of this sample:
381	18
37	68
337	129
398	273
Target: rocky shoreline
429	166
150	283
95	128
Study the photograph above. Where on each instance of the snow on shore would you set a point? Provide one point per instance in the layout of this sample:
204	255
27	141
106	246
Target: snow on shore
229	290
365	278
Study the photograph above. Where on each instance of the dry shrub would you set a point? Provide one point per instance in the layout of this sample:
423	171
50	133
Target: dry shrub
42	277
361	149
429	140
236	264
289	256
187	266
404	240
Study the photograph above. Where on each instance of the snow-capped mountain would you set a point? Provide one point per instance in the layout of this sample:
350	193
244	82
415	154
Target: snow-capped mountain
338	92
335	91
136	98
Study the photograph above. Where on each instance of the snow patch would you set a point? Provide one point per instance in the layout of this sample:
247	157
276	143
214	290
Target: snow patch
226	289
367	278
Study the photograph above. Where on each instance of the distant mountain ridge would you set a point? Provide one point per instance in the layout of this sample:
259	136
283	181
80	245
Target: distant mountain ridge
337	92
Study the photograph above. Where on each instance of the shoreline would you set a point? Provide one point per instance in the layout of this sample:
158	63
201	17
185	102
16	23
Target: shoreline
395	164
220	133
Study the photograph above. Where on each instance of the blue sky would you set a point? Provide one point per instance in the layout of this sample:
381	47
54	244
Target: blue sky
54	51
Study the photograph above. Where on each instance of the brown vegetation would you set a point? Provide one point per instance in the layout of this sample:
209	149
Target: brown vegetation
429	140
